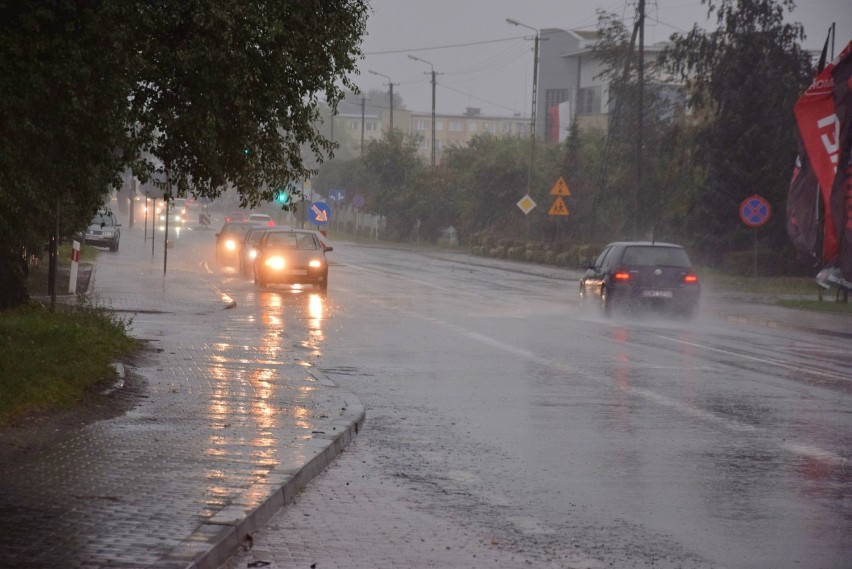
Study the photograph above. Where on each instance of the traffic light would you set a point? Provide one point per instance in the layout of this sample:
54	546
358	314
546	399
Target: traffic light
246	151
282	196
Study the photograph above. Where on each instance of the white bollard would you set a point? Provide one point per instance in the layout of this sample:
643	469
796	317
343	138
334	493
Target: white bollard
75	262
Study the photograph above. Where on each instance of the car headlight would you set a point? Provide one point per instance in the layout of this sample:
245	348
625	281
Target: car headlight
275	263
230	244
252	254
109	233
315	264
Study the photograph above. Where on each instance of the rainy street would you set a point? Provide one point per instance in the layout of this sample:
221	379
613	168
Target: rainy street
506	428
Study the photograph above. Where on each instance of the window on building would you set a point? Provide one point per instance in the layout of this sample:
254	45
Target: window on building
589	100
489	127
456	126
371	126
354	125
421	124
439	125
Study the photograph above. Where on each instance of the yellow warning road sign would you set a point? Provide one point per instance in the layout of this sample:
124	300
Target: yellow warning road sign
559	207
560	188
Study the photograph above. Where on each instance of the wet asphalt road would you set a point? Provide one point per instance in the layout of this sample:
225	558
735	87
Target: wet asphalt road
504	428
497	411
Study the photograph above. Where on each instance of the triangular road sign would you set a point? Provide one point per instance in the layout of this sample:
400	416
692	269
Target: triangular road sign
560	188
559	207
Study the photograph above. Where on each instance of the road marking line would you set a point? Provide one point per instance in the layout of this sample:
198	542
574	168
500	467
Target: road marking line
753	358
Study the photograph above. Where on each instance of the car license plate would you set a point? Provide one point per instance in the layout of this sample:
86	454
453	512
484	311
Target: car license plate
657	293
297	272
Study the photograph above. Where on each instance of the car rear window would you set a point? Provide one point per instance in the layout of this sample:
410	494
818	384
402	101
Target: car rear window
102	220
650	256
236	228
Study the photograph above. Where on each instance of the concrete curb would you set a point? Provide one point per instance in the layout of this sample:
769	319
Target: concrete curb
218	538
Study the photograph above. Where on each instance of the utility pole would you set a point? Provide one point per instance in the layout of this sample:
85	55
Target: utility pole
534	99
433	118
640	125
363	111
390	87
433	102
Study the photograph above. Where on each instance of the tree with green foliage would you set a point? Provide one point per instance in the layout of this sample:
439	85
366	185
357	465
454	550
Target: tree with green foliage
391	165
200	95
633	184
744	78
490	176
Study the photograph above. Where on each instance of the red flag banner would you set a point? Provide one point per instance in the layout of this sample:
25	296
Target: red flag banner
819	123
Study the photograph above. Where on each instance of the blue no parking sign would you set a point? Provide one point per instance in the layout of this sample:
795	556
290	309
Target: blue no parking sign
755	211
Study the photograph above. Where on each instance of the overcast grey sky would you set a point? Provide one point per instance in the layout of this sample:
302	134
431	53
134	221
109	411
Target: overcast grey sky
497	76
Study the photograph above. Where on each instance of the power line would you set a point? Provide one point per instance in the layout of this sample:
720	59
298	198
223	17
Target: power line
477	98
448	46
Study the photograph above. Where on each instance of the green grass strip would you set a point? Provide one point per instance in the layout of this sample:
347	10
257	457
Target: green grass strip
49	359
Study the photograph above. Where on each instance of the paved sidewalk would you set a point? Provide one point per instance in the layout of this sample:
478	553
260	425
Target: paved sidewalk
234	420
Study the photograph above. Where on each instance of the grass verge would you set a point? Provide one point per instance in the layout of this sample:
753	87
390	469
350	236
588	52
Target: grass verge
51	359
819	306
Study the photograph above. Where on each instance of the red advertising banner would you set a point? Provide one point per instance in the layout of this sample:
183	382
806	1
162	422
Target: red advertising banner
823	116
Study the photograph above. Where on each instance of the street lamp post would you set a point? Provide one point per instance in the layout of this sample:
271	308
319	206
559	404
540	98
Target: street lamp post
534	93
390	87
433	102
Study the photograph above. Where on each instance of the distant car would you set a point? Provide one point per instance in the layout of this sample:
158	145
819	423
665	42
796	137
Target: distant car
291	256
229	241
637	274
261	218
177	216
103	231
248	250
235	216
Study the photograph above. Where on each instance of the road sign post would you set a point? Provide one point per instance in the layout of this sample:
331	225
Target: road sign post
755	211
75	262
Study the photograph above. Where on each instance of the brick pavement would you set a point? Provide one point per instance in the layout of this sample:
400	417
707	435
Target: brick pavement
234	420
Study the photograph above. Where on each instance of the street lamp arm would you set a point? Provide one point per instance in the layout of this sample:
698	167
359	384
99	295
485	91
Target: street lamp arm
415	58
379	74
517	23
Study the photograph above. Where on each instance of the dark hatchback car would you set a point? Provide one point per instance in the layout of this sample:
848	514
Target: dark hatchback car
637	274
229	241
291	256
103	231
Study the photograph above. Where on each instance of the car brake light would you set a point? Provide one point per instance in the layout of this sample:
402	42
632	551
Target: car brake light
270	223
690	279
621	276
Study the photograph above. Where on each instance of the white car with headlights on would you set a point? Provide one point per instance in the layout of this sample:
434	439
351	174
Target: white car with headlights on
291	256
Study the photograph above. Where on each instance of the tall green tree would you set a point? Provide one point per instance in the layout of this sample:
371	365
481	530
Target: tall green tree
490	177
201	95
744	79
631	192
64	83
230	93
390	167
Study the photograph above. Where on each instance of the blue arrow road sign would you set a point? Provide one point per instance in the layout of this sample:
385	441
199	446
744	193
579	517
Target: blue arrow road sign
319	213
